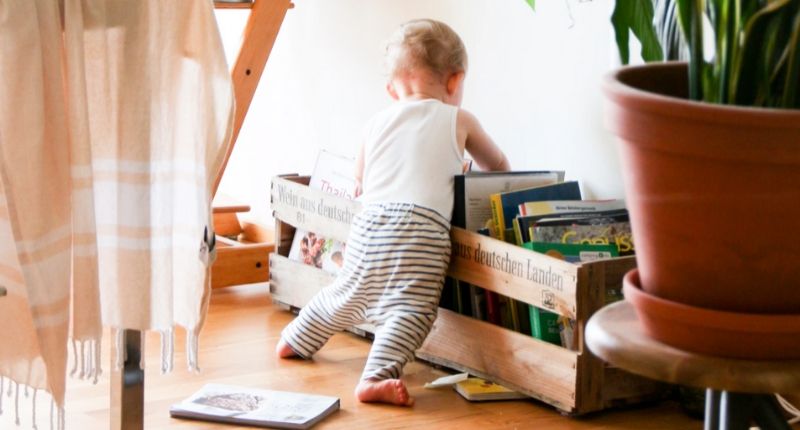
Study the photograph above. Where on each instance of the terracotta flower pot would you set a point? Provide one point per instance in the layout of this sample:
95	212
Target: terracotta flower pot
713	193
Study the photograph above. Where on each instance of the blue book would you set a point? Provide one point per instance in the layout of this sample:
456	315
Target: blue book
505	206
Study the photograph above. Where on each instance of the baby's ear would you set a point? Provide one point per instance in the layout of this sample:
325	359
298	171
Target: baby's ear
392	92
454	81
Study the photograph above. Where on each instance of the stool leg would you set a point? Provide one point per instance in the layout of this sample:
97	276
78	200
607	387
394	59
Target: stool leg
736	409
711	421
768	413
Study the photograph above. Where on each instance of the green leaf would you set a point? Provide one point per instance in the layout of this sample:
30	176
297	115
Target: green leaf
791	98
531	3
690	16
636	16
748	76
722	14
666	24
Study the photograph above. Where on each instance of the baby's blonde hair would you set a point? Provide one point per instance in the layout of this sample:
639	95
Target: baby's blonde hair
427	44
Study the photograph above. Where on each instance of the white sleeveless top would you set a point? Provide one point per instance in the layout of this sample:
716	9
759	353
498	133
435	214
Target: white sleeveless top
411	155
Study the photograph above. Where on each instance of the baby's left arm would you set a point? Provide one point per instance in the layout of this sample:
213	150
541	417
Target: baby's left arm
479	144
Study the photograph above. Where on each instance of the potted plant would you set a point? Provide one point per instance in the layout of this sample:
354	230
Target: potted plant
710	152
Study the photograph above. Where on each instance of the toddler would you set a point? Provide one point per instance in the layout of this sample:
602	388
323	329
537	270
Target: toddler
399	245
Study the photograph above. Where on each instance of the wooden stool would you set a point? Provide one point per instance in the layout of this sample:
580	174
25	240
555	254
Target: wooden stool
737	391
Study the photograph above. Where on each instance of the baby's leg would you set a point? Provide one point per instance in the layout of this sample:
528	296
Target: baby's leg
394	346
327	313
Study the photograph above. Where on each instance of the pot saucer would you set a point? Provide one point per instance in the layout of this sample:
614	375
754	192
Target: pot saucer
713	332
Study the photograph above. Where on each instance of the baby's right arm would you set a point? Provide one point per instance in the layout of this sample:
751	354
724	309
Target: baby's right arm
472	138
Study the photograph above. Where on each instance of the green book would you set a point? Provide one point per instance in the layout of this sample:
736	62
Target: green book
545	325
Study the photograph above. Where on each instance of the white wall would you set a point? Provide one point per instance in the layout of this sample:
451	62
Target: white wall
534	82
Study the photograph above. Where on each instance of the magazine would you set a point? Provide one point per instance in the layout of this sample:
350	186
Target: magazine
255	407
334	174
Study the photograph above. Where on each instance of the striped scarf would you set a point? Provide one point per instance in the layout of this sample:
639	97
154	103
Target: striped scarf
114	118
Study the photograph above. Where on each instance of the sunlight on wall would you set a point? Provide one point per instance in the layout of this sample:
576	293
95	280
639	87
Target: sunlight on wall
534	82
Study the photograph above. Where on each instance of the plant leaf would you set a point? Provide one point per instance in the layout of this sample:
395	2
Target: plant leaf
690	16
666	24
791	98
751	61
636	16
531	3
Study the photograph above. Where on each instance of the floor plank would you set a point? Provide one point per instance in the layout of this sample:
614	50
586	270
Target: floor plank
236	347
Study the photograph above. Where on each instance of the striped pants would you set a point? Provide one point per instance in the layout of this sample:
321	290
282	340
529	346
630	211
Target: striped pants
396	259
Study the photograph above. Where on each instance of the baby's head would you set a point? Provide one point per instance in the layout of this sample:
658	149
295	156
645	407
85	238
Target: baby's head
428	49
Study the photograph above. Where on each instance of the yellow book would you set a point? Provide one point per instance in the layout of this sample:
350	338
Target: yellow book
477	389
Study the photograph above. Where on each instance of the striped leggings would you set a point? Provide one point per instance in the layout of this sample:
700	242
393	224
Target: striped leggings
396	259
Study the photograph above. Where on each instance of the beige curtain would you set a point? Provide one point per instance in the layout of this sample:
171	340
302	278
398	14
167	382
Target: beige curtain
114	116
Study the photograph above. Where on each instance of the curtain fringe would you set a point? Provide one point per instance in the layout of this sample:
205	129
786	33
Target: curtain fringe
86	359
31	392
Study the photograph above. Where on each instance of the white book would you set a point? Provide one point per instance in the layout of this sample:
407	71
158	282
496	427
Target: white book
570	206
471	209
255	407
334	174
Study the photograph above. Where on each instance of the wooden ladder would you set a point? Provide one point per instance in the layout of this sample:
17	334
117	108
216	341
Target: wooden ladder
243	249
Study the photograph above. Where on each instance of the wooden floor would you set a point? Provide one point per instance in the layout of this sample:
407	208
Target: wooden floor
236	347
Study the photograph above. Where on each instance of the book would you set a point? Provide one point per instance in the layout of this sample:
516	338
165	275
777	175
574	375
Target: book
549	326
604	228
334	174
569	206
545	325
255	407
574	252
505	206
471	207
478	389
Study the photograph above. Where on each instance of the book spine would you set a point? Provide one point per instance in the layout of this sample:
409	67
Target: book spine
459	202
518	232
497	215
544	325
492	308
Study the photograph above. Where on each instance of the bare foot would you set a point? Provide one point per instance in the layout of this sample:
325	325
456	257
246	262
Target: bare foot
391	391
284	350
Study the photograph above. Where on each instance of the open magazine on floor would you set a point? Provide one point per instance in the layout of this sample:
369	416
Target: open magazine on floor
255	407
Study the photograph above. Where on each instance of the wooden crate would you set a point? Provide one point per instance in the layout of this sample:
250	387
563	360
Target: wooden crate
575	382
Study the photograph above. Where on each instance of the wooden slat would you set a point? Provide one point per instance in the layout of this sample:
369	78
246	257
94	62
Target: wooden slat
246	4
513	271
227	224
590	295
311	209
256	233
536	368
613	270
242	264
258	38
230	209
294	283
